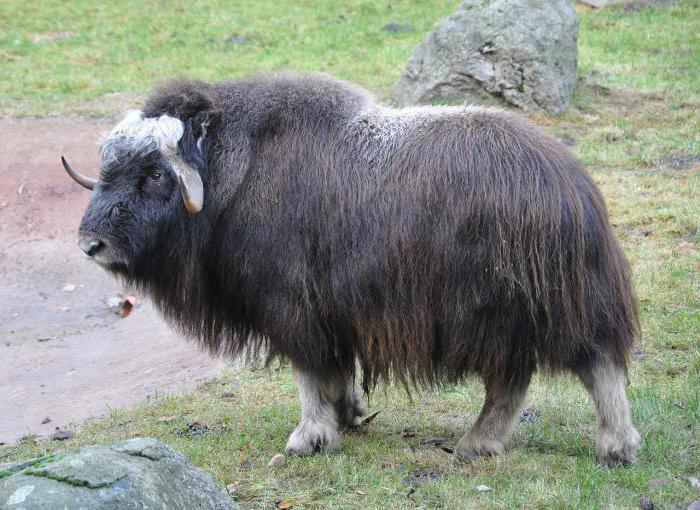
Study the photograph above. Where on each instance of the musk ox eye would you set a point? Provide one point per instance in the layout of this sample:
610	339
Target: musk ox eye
155	175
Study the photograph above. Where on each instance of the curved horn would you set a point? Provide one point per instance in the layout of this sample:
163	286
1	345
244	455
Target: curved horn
191	189
81	179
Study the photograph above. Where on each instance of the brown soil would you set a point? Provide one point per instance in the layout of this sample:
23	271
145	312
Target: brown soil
64	354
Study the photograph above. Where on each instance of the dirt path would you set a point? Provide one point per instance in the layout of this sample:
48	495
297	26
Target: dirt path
64	354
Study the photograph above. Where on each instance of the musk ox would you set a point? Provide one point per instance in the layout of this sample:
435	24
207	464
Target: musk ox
295	216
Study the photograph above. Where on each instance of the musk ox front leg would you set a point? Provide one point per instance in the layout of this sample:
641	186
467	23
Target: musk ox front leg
618	441
503	401
329	404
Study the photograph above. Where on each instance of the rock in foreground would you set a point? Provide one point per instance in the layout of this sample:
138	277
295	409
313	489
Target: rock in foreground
137	473
522	52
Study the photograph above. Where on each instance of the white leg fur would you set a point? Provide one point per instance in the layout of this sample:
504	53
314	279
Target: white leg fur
495	422
319	427
618	441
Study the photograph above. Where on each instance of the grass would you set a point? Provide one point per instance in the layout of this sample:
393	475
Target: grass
634	122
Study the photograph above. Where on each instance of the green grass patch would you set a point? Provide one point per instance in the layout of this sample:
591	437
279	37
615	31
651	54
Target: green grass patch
634	122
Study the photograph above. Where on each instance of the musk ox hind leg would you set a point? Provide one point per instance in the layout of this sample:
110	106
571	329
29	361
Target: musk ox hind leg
618	441
502	403
329	404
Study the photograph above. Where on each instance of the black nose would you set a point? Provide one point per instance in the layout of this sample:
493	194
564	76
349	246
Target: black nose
90	246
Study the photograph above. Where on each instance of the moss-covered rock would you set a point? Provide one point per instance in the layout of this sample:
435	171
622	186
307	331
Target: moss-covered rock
137	473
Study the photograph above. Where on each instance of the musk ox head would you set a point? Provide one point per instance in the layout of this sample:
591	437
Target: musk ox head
148	170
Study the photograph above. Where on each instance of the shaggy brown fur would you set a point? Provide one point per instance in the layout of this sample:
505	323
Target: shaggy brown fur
425	244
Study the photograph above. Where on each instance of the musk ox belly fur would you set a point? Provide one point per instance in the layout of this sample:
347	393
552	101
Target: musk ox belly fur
421	244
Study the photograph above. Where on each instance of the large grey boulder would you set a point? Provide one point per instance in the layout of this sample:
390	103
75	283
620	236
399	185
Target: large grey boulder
522	52
137	473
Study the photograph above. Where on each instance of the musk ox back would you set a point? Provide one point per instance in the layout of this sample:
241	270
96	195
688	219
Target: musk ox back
295	216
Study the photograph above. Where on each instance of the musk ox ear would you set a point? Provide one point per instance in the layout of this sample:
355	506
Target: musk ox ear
195	141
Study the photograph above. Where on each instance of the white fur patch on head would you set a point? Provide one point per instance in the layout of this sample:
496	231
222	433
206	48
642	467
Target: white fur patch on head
142	135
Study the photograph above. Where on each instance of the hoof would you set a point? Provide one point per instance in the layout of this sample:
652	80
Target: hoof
615	450
469	448
311	437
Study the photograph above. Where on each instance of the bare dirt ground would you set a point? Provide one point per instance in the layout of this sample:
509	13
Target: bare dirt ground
64	354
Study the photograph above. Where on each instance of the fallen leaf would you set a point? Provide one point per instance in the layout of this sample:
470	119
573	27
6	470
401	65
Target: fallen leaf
360	493
122	305
166	419
369	418
482	488
284	504
233	486
685	246
277	460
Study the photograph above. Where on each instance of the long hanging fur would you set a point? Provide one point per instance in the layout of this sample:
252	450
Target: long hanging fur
425	243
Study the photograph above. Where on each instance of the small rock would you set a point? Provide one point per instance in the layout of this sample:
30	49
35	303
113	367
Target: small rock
233	487
482	488
646	504
64	308
193	429
46	420
62	435
695	505
166	419
44	338
237	39
277	460
360	493
397	27
68	287
694	482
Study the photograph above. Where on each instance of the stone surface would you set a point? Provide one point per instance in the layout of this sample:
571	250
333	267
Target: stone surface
522	52
137	473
